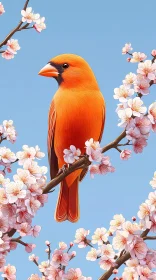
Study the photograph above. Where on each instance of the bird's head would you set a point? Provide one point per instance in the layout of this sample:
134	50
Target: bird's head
69	70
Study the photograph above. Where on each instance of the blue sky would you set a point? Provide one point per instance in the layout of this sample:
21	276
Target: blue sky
95	30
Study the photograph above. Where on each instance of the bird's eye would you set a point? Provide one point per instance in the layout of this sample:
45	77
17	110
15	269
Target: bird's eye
65	65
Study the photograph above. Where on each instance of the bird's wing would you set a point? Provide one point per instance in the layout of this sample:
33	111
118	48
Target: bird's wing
84	171
53	161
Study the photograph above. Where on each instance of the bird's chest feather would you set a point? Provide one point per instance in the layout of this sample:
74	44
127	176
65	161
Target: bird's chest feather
78	118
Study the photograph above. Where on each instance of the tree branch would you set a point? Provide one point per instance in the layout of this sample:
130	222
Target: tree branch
149	238
121	260
83	162
15	29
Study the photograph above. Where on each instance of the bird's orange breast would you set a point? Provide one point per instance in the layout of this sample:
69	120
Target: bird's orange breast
79	117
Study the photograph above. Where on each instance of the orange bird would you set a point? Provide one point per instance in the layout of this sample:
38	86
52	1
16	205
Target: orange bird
77	113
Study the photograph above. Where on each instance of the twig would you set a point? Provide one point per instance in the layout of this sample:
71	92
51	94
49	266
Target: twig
149	238
15	29
17	240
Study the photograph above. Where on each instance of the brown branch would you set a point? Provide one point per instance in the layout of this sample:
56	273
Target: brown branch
121	260
17	240
149	238
12	32
83	162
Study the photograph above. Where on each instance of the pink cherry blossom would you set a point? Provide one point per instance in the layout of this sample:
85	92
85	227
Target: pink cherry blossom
137	247
152	113
92	254
136	106
132	133
143	124
93	150
32	205
153	52
121	106
3	196
24	176
40	24
122	93
13	46
120	240
144	210
131	228
6	155
7	55
106	263
80	237
15	190
125	116
139	144
38	154
129	274
94	169
100	236
33	258
72	154
28	153
60	258
63	246
129	79
43	266
36	230
147	69
2	11
127	48
137	57
9	272
153	181
125	154
144	272
29	247
105	165
142	85
27	15
116	223
24	229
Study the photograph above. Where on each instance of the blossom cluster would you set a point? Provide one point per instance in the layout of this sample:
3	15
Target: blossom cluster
56	265
137	119
28	17
94	152
122	237
20	198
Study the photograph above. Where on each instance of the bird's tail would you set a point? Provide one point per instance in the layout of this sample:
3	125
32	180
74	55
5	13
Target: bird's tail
68	202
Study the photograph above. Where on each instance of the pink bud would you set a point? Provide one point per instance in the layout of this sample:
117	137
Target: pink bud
116	278
133	218
71	244
128	59
153	53
115	271
47	250
8	170
29	247
47	243
73	254
110	233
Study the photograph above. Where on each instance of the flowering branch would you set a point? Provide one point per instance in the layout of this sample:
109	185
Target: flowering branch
83	162
17	28
121	260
